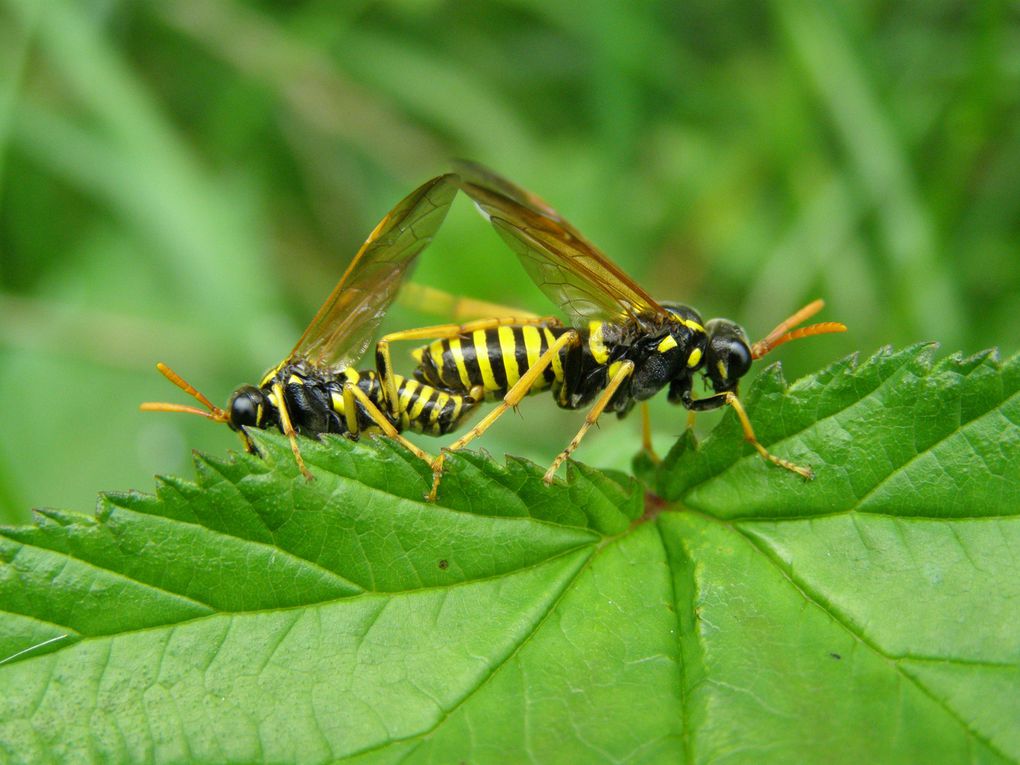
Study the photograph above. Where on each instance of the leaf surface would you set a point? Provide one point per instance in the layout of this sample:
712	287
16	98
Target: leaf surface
867	616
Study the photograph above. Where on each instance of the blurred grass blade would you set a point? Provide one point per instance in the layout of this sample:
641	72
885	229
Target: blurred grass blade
16	42
139	163
313	87
929	294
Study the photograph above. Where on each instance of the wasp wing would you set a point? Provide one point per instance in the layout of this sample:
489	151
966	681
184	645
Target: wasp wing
570	270
344	326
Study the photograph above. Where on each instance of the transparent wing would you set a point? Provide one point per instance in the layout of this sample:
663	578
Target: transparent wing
570	270
344	326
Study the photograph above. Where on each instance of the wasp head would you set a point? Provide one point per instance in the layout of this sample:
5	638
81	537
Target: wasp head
248	407
728	357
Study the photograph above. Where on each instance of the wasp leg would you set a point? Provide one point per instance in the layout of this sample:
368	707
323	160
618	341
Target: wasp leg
351	410
625	370
646	434
513	397
384	363
288	430
440	303
249	445
353	393
730	399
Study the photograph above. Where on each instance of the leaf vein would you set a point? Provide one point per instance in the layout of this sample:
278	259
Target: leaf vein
812	598
961	428
469	693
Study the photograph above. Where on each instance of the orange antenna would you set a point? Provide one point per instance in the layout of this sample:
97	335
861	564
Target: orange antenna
215	413
782	334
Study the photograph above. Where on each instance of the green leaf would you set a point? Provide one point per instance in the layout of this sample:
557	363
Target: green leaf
897	435
867	616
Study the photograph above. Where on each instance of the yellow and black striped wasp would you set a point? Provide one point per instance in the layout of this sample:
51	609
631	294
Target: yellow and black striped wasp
622	348
316	389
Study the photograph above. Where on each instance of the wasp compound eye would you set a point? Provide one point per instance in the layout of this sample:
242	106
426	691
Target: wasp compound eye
246	407
729	355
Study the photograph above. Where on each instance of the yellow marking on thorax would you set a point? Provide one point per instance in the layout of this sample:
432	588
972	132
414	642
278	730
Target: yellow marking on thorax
722	369
336	398
596	343
557	363
458	359
690	324
437	408
482	354
295	380
695	358
508	347
668	343
614	368
268	377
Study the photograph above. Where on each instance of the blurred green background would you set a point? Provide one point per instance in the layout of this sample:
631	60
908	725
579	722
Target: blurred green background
185	181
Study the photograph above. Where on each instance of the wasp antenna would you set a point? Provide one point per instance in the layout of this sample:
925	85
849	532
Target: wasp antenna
156	406
782	334
799	317
214	413
759	349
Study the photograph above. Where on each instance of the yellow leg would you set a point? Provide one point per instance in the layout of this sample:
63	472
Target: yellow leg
513	397
440	303
351	393
288	430
350	409
745	423
646	434
625	370
384	363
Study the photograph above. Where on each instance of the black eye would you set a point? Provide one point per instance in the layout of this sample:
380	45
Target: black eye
245	407
739	358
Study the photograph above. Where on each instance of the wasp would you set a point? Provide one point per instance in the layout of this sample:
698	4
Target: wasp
621	347
317	389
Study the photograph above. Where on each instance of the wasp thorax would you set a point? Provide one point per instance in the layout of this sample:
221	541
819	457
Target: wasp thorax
688	335
247	407
728	357
669	354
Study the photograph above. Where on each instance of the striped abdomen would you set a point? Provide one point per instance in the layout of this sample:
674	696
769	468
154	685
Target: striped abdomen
421	408
492	358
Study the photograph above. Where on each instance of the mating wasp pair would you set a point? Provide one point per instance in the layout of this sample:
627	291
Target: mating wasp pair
621	347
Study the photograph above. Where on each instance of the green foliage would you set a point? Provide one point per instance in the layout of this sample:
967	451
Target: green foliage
897	435
868	616
184	182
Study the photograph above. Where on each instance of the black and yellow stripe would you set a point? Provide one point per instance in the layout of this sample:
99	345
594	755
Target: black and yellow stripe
493	358
427	409
421	408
